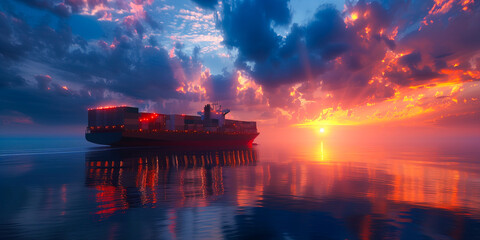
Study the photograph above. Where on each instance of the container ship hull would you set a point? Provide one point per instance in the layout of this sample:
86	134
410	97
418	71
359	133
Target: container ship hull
170	138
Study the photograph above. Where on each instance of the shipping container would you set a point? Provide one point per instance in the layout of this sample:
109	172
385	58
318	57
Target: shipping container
152	121
113	117
175	122
129	118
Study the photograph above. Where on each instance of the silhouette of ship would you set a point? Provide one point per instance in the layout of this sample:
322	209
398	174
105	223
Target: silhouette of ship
126	126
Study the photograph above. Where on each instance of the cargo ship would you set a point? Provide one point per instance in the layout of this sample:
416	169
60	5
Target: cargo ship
126	126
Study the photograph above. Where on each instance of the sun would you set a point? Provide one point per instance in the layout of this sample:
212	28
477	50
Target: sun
322	130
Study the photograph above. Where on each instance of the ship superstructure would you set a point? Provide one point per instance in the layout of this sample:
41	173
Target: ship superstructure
126	126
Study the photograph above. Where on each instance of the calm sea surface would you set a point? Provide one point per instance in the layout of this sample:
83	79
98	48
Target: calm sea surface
67	189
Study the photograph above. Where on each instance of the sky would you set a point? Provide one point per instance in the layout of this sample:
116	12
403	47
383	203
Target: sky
298	63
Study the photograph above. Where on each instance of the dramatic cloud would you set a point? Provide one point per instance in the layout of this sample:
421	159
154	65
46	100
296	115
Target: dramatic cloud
71	74
369	62
366	54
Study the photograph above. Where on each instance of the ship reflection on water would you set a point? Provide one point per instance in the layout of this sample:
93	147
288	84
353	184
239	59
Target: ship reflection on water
143	177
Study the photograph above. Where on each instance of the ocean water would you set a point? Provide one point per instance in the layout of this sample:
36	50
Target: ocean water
68	189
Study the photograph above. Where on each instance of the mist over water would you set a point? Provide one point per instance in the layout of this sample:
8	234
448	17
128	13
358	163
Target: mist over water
325	190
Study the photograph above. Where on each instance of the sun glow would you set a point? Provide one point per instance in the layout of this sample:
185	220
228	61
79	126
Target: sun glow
410	106
354	16
322	130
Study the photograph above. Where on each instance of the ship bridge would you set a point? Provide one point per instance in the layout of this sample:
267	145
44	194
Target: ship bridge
214	113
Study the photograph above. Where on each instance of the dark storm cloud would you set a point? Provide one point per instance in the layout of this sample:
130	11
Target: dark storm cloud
247	26
127	66
450	36
43	81
307	51
338	52
102	8
130	67
60	9
326	28
191	64
52	107
151	22
49	102
415	74
411	60
10	28
150	67
11	51
9	78
66	8
207	4
221	87
453	36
